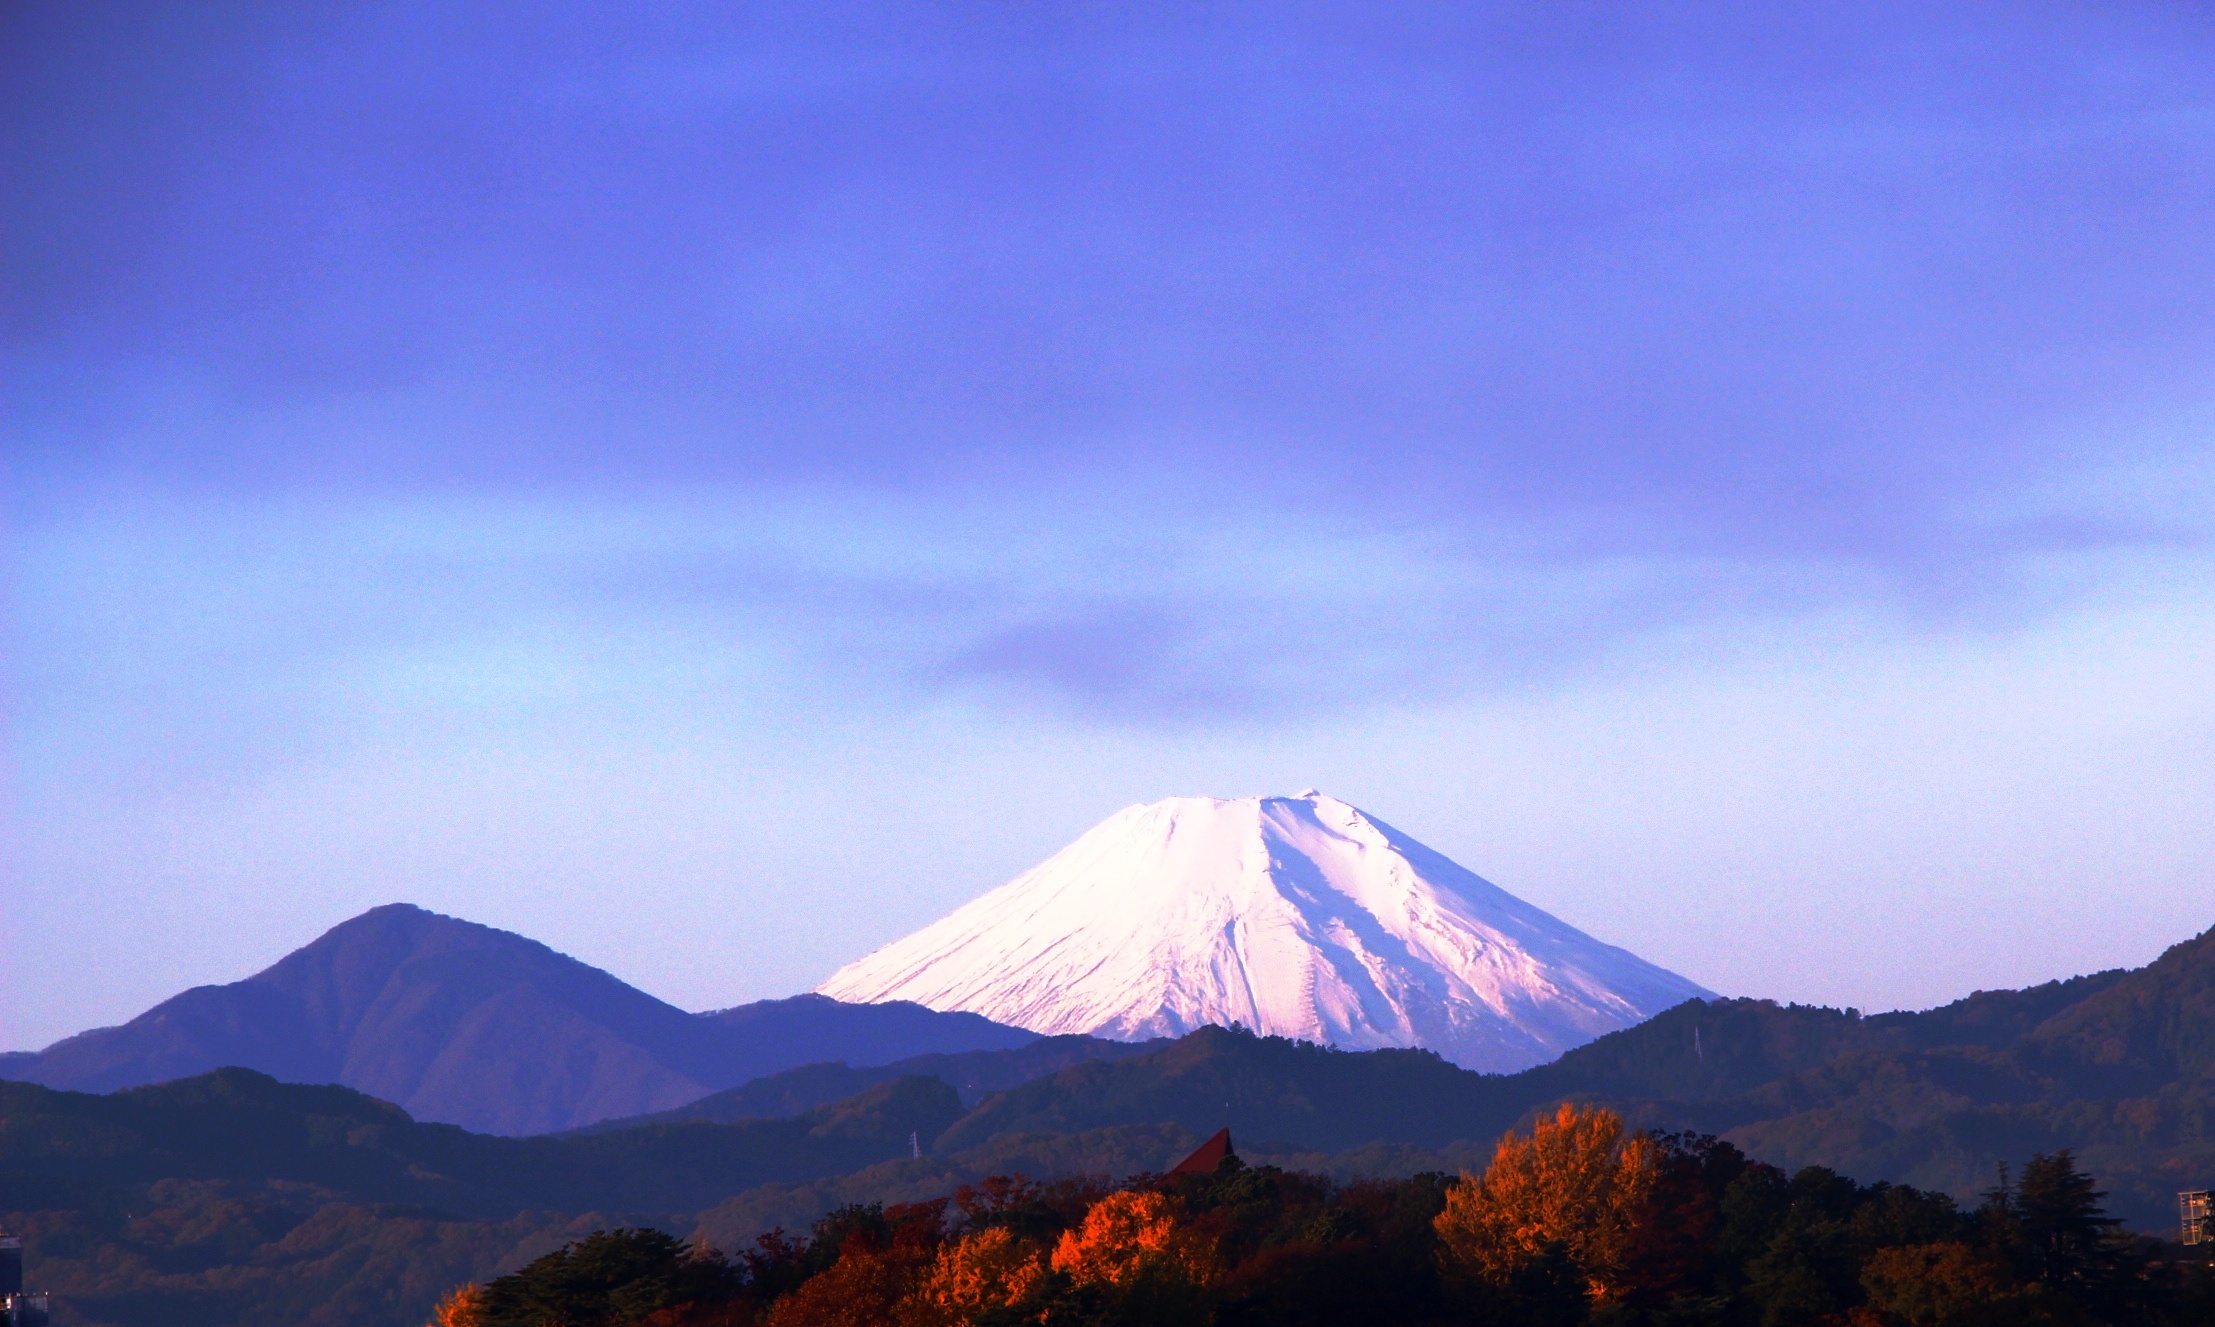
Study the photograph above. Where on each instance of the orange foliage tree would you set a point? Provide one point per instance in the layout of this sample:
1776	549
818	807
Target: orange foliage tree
865	1285
1574	1186
462	1307
1129	1235
991	1269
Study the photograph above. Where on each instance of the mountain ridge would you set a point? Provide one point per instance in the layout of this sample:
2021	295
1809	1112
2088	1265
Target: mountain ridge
973	1075
232	1200
1935	1098
465	1024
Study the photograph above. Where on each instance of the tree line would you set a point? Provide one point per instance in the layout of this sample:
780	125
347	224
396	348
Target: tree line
1579	1223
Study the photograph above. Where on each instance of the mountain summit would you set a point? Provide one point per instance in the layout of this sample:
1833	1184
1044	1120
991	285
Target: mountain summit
1298	916
468	1025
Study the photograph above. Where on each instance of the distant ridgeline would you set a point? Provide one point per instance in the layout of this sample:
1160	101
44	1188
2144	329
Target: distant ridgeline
231	1198
483	1028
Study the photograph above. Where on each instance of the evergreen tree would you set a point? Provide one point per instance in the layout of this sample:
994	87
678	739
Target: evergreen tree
1999	1221
609	1277
2067	1231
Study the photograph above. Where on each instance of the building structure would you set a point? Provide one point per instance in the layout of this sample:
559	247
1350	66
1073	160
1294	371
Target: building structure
2196	1225
1209	1155
17	1309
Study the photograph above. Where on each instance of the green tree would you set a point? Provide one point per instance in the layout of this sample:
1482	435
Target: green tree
607	1279
2068	1233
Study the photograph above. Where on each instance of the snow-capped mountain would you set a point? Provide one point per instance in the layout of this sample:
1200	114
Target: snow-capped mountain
1298	916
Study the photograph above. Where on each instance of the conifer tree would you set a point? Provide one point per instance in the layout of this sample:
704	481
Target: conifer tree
2065	1228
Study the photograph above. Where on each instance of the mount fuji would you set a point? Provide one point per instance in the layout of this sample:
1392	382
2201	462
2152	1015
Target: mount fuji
1295	916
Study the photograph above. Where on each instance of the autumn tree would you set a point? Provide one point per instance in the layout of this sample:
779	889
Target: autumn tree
1571	1190
462	1307
875	1257
990	1269
1932	1285
866	1285
1134	1253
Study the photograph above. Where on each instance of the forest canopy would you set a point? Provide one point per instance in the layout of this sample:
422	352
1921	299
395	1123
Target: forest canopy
1580	1221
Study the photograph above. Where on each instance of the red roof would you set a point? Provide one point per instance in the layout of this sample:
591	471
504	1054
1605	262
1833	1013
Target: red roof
1210	1153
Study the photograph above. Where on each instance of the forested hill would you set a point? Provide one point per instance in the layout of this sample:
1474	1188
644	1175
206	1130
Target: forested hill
63	1149
972	1074
2116	1066
1717	1049
2119	1066
235	1199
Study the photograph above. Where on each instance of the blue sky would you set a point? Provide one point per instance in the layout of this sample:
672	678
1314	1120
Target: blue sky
713	492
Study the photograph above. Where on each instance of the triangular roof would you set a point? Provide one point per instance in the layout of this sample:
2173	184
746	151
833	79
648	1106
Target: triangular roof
1209	1154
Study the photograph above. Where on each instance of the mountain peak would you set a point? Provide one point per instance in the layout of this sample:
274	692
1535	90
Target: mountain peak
468	1024
1299	916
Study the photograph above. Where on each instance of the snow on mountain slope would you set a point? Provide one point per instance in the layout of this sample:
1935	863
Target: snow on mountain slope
1298	916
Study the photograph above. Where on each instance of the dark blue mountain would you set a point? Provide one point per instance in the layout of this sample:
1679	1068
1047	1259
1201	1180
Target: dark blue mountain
464	1024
